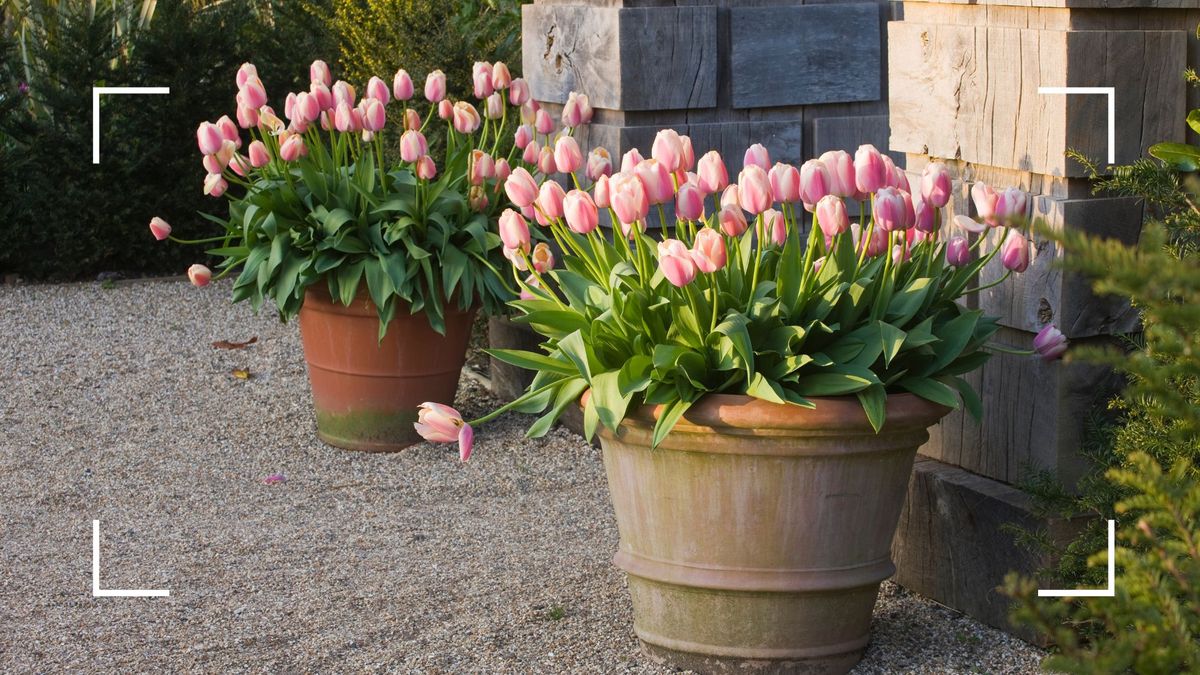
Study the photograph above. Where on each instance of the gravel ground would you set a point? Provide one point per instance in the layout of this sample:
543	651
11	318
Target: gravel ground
115	407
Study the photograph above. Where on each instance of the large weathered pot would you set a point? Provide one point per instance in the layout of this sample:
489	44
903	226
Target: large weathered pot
366	392
757	534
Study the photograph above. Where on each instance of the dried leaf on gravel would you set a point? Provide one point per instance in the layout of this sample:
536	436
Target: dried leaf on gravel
228	344
275	478
241	373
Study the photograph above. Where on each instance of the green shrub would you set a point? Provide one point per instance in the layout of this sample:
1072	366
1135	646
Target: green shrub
64	217
1153	623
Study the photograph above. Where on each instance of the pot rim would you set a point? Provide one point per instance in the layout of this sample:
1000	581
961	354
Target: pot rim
842	414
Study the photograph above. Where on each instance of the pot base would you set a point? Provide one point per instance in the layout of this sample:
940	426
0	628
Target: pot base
700	663
385	431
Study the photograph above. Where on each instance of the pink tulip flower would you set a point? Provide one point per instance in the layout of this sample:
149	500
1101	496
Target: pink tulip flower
545	162
629	198
676	262
413	146
378	90
209	138
870	173
1011	205
713	176
732	220
435	86
831	215
542	258
445	109
532	153
542	122
319	72
321	93
532	282
925	216
443	424
774	227
757	155
259	156
521	188
958	251
668	150
483	167
889	209
246	72
502	170
466	118
215	185
576	111
199	275
688	156
247	117
343	93
529	112
253	93
291	149
501	78
708	251
514	230
373	115
657	181
568	158
731	195
307	108
936	184
343	118
426	169
212	164
785	183
518	92
580	211
754	189
600	193
550	199
815	182
599	163
402	85
523	136
481	77
985	202
842	178
1015	253
689	202
160	228
1050	343
493	107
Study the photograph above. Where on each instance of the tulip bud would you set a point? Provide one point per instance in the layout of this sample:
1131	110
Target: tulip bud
754	189
521	188
373	115
708	251
343	93
599	163
689	203
413	146
774	227
412	120
253	94
493	108
308	108
160	228
514	231
323	96
435	86
889	209
259	156
870	173
576	111
1010	205
378	90
731	195
247	117
985	202
542	122
426	169
657	181
676	263
732	220
319	72
785	183
292	148
757	155
199	275
209	138
532	153
1050	344
668	150
343	119
601	193
925	216
481	77
212	164
688	158
483	167
580	211
815	182
215	185
402	85
466	118
501	78
935	184
567	155
518	92
841	173
1015	254
245	73
898	178
523	136
546	163
711	173
445	109
630	160
542	258
550	199
502	170
958	251
629	199
477	199
831	215
529	112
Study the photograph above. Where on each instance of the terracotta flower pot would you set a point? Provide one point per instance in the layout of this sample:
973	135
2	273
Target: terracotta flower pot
756	535
366	392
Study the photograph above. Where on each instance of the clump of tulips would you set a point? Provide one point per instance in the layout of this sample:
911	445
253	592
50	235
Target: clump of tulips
316	195
765	286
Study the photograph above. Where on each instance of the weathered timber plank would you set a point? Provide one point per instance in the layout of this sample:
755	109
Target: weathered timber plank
625	59
1033	415
798	55
847	133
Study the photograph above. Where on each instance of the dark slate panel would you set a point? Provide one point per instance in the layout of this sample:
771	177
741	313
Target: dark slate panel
806	54
668	57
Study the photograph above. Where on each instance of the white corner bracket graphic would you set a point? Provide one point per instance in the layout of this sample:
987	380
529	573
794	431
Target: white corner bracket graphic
1109	592
96	93
1112	111
98	592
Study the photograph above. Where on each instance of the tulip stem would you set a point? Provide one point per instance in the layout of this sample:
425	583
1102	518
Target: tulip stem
209	240
757	253
1002	279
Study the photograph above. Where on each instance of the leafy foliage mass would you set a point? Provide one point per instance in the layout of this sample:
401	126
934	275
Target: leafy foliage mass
1153	625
